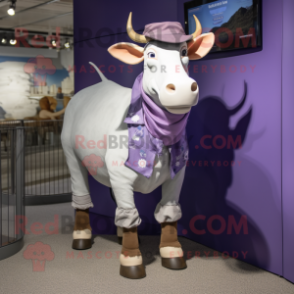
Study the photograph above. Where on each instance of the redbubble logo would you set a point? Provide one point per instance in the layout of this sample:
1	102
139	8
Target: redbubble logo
230	227
25	39
121	141
92	162
39	253
40	67
197	69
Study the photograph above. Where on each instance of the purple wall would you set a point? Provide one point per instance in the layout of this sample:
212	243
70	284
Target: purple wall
253	188
288	141
214	195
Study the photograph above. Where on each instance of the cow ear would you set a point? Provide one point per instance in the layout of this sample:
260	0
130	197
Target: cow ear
127	52
200	46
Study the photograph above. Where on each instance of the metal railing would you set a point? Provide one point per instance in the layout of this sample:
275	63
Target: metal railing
33	170
47	178
12	192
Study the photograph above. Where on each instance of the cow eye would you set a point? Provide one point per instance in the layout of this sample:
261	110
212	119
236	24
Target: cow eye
184	52
151	55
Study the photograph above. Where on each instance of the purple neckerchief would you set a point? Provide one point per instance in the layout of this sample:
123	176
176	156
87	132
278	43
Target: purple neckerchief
143	147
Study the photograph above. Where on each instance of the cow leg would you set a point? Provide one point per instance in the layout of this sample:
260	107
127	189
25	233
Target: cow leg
167	213
119	230
82	235
170	249
131	263
126	214
127	220
81	201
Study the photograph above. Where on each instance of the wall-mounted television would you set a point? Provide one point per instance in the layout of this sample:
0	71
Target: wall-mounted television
235	23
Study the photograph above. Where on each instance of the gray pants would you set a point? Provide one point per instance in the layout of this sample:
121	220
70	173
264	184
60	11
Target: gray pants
126	214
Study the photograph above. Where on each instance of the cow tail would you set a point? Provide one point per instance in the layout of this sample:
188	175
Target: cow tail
102	76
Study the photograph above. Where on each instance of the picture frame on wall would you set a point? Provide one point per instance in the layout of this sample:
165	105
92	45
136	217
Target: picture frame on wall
237	24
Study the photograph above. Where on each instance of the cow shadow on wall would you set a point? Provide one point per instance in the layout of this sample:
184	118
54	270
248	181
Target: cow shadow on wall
208	217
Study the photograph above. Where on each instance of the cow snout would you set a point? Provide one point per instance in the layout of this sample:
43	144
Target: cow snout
178	96
171	88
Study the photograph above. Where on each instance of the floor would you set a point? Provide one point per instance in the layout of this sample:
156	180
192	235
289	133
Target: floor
47	264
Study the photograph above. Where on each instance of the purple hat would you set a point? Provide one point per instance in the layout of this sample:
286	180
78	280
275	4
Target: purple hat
169	31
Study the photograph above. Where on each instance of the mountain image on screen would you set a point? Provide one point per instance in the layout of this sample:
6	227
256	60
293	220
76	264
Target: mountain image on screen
239	32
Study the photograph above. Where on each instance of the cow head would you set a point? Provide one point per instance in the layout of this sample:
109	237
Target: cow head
165	77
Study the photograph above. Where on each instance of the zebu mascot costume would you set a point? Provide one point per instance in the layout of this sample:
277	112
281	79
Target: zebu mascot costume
143	128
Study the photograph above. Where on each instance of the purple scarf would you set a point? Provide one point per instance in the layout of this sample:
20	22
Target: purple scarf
150	129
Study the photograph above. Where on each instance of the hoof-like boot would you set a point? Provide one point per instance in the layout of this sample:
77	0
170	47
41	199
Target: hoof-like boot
82	235
131	262
171	253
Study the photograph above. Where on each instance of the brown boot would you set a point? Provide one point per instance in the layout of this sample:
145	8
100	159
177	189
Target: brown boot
130	259
170	249
82	235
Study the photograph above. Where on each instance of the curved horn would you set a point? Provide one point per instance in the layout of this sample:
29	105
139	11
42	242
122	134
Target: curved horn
198	30
132	34
240	105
